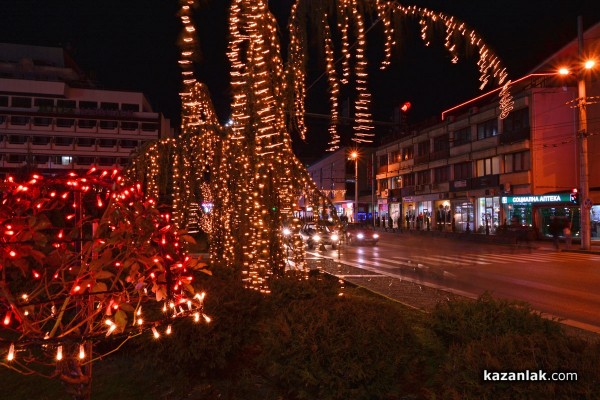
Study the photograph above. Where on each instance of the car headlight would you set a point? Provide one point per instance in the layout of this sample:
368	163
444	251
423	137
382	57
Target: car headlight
316	238
335	237
375	236
360	236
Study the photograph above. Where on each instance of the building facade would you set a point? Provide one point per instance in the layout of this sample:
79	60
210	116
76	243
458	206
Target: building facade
52	118
334	175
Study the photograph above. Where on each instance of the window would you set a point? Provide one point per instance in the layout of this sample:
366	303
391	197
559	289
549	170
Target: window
17	139
462	171
488	166
487	129
19	120
107	142
423	148
440	143
109	106
423	177
63	141
88	105
129	126
408	153
107	161
65	123
17	158
86	123
65	160
44	104
3	101
395	156
2	119
86	142
130	107
111	125
408	180
131	144
83	160
41	159
21	102
149	127
383	160
42	121
516	162
66	104
462	136
441	174
40	140
517	120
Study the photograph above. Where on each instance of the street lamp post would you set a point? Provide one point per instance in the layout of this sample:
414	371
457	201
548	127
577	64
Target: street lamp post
354	156
583	144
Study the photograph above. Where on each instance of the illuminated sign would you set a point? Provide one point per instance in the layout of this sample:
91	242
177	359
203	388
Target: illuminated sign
549	198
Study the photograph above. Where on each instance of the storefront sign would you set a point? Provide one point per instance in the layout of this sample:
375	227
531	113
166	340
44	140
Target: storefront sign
408	199
550	198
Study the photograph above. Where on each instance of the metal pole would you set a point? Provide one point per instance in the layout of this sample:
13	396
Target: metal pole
584	189
373	187
356	189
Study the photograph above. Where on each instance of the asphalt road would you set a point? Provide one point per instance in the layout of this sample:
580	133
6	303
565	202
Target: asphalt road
563	284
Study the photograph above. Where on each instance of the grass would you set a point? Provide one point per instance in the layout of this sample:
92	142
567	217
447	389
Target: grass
306	342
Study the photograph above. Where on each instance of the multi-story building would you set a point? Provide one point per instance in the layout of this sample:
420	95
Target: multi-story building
334	175
475	170
52	118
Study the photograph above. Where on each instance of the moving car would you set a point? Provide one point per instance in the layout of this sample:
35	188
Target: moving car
360	234
316	235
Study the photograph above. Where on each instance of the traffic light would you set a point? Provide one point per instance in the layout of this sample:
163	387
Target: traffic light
575	196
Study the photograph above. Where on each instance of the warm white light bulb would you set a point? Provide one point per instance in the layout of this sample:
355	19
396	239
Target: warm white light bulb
81	351
59	353
589	64
11	352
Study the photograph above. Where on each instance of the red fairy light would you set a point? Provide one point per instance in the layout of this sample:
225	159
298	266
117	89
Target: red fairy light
155	260
70	217
77	288
64	195
8	318
60	234
9	233
114	173
117	264
72	174
99	201
10	179
53	194
103	174
12	253
152	275
74	205
91	170
164	240
36	274
55	276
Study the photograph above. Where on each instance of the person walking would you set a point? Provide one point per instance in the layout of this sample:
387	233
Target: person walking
555	229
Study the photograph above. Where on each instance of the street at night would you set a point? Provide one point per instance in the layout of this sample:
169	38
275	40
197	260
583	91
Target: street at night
559	284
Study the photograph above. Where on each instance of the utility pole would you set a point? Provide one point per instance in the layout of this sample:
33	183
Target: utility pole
582	133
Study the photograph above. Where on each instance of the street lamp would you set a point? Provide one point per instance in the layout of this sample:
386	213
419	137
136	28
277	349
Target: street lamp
581	104
354	156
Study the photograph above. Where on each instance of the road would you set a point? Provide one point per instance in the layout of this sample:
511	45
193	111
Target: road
561	284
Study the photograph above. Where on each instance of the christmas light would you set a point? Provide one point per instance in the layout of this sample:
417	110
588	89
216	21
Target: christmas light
81	352
11	352
59	353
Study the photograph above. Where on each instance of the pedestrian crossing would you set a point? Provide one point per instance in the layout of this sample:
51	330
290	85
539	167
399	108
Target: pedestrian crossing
466	259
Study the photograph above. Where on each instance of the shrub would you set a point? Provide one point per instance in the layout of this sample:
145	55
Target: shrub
465	320
322	346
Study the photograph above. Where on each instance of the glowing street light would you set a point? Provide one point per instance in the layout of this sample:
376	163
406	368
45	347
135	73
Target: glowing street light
354	156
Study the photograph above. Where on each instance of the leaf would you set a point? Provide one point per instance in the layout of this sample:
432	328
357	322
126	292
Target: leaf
99	287
126	307
104	274
121	319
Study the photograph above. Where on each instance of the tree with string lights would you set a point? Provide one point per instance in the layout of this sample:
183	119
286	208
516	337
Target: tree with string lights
86	260
248	162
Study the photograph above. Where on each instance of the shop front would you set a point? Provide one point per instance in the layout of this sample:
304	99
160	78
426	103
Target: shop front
409	212
443	215
463	214
538	211
488	214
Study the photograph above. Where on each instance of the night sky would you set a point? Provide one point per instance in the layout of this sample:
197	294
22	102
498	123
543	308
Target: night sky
131	45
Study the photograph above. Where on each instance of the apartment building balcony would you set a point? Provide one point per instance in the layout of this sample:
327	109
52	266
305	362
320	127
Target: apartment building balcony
439	155
486	143
514	147
484	182
440	187
423	189
422	159
460	150
515	136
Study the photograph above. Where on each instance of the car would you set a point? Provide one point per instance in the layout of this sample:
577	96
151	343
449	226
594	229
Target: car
361	234
315	235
